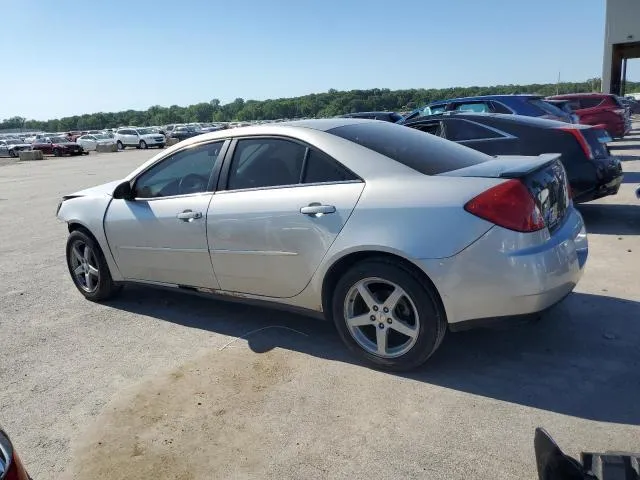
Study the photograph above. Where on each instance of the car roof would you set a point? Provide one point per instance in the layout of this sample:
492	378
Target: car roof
578	95
487	97
506	117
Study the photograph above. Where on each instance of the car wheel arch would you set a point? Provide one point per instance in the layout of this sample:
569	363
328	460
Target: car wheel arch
344	263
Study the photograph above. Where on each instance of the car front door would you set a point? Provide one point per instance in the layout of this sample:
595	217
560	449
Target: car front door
4	149
160	234
282	206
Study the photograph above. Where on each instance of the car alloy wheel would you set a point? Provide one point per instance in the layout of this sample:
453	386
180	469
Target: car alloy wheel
381	317
84	266
120	145
143	144
57	152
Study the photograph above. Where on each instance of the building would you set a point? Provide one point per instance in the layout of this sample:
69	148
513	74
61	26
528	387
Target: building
621	42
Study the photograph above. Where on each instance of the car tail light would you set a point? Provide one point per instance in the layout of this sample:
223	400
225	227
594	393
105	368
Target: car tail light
581	140
508	205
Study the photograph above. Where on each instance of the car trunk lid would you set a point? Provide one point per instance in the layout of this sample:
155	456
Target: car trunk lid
543	176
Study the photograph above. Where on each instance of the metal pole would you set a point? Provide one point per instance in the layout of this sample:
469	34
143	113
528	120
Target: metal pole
623	83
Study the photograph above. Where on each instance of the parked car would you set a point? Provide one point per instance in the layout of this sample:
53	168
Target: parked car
12	147
384	116
139	138
565	106
393	234
528	105
592	171
11	467
182	132
599	109
91	141
57	146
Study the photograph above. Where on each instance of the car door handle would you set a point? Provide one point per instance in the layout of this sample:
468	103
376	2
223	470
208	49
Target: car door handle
189	215
316	209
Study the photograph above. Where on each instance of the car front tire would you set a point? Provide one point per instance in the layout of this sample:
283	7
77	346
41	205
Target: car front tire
88	268
142	145
12	153
120	145
387	315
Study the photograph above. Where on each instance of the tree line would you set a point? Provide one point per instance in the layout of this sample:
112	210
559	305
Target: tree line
327	104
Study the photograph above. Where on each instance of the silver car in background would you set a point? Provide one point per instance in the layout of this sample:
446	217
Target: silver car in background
393	234
12	147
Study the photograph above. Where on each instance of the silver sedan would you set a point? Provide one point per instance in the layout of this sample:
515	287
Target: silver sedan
395	235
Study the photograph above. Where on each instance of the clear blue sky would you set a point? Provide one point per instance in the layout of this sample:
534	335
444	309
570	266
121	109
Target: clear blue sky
70	57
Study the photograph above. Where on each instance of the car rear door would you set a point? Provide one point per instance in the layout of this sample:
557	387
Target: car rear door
281	206
160	235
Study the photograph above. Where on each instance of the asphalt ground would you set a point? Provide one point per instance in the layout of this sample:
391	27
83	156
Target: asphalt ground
158	384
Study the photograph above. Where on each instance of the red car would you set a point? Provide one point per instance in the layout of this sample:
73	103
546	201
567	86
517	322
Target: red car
57	146
599	109
10	466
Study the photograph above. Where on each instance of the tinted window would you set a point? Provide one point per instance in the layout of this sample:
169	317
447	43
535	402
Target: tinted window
459	130
183	173
434	128
590	102
500	108
547	108
322	168
424	153
265	162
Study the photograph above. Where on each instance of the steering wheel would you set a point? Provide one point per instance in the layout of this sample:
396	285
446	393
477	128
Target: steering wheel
192	183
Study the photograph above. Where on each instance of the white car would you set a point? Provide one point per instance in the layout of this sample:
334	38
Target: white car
89	142
139	138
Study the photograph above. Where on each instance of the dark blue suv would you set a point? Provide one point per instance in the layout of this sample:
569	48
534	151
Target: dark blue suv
527	105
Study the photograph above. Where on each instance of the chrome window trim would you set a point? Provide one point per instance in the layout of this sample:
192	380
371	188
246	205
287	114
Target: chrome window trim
291	185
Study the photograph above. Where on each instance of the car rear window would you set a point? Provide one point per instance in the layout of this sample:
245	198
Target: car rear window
546	107
420	151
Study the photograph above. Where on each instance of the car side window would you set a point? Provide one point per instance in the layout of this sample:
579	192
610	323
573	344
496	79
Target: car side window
498	107
183	173
473	107
321	168
590	102
265	162
434	128
462	130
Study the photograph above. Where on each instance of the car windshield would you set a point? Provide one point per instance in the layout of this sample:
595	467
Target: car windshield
547	107
145	131
58	140
101	136
424	153
13	142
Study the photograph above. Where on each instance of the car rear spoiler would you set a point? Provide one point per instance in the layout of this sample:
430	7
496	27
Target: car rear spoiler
506	166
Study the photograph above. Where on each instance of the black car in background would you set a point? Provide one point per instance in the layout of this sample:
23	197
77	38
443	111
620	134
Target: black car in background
182	132
593	172
392	117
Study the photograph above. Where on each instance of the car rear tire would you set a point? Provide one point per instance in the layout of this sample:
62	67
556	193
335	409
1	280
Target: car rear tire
143	145
120	145
88	268
12	153
388	316
57	152
161	146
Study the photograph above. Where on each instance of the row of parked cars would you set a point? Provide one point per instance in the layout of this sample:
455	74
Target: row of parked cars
578	126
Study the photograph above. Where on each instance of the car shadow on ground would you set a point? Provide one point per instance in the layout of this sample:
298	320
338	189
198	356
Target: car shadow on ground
611	219
581	359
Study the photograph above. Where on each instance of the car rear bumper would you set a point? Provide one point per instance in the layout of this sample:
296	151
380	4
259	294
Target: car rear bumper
609	177
506	273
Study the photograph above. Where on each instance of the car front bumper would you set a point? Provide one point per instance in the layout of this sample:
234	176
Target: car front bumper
509	274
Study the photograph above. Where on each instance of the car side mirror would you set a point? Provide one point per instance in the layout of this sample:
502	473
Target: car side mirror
123	191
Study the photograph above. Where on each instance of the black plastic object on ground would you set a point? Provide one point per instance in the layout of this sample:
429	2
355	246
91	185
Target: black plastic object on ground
554	465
